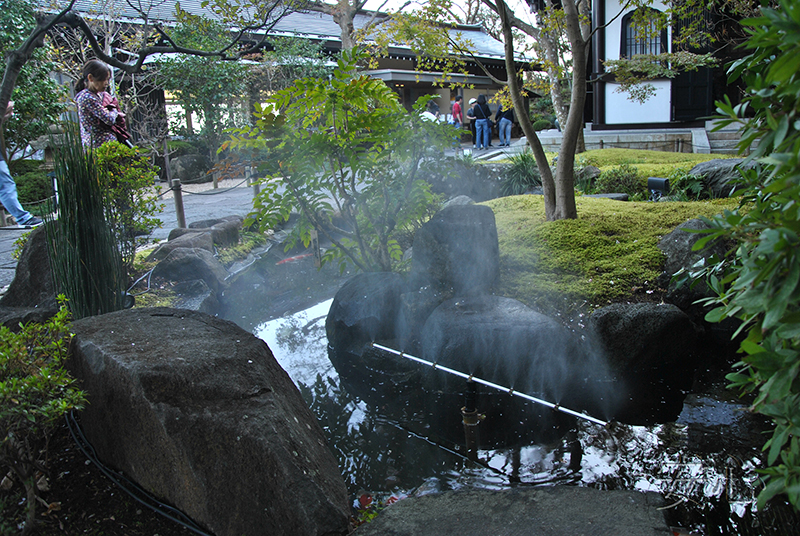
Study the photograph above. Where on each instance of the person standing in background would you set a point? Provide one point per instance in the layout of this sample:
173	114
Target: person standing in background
458	116
505	119
96	116
482	113
471	115
8	188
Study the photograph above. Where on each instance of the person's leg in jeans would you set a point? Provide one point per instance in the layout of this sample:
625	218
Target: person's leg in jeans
480	133
505	132
8	196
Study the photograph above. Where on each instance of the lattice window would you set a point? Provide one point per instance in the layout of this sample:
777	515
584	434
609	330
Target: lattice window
640	33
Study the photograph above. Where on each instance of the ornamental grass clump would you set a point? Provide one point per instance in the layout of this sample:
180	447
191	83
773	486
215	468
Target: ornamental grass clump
35	391
523	174
84	256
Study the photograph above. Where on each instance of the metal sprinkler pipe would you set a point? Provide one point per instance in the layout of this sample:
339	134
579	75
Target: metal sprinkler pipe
508	390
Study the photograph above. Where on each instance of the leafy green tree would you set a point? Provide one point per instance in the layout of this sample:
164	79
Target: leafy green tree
760	283
207	87
290	59
38	99
131	206
35	391
350	159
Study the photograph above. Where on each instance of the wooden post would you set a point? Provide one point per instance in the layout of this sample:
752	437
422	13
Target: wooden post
215	179
315	249
256	188
178	195
248	174
167	172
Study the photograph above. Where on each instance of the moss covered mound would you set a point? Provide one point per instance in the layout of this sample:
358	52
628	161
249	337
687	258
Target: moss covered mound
608	254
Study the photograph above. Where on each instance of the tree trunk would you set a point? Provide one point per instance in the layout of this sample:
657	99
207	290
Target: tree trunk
548	185
565	173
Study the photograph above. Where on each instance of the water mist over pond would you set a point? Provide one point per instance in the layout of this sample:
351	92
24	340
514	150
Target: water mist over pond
387	452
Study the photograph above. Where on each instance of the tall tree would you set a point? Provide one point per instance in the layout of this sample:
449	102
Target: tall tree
250	19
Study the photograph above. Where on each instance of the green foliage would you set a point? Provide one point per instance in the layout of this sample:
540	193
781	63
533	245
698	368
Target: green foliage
568	266
523	174
35	391
760	284
34	187
84	256
19	245
542	124
205	86
291	59
38	98
686	187
127	178
345	154
633	74
621	179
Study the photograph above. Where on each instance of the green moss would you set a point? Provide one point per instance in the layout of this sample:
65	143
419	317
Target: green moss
247	242
614	157
568	266
156	298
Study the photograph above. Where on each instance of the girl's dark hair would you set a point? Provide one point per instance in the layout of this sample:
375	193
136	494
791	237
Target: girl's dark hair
96	68
481	99
458	98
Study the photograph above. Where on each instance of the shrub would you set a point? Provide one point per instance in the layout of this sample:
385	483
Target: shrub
621	179
84	256
127	178
35	391
542	124
686	187
523	174
33	187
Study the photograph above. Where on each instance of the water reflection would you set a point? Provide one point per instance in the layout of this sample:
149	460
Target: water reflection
381	453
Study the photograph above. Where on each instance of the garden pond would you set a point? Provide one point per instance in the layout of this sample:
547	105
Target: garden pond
704	463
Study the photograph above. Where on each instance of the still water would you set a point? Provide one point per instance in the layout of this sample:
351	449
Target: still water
389	455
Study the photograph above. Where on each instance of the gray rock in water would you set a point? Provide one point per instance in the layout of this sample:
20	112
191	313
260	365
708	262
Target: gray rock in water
364	310
458	249
190	169
653	350
185	264
199	413
504	341
719	175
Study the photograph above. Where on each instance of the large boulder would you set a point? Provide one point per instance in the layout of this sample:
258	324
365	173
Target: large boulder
190	168
199	413
33	283
719	175
458	249
505	342
677	247
185	264
364	310
653	351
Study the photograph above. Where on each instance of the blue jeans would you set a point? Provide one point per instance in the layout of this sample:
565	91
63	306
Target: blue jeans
8	195
504	130
482	133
